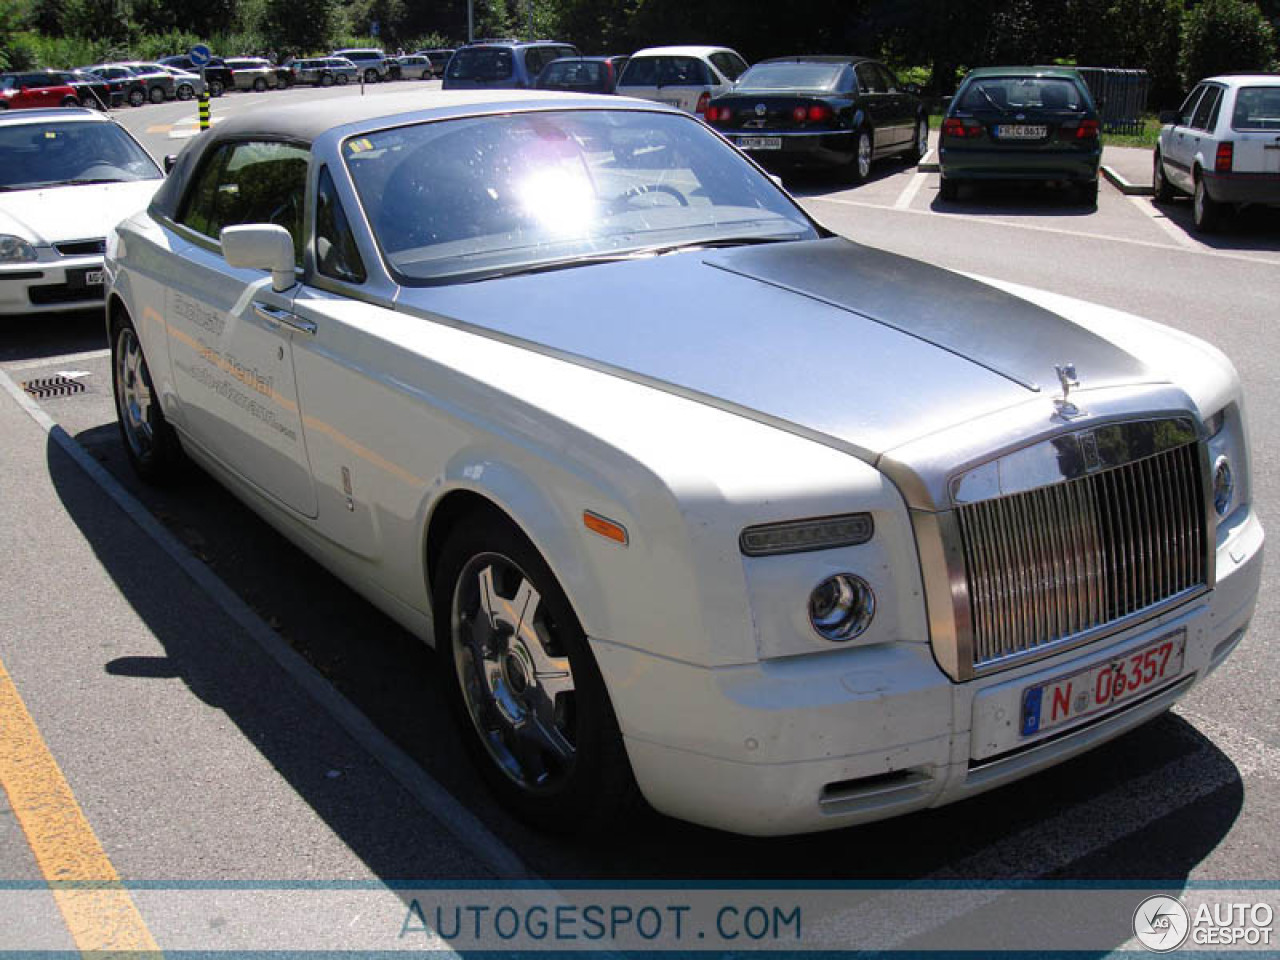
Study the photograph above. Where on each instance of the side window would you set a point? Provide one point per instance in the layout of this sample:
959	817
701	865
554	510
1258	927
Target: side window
887	81
1189	105
249	182
336	253
1218	94
1200	119
869	79
730	65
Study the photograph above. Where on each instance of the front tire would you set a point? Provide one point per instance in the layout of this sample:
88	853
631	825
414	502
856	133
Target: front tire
1207	214
341	79
137	97
216	88
525	690
920	145
326	80
371	75
156	95
948	189
259	85
150	443
186	92
1088	193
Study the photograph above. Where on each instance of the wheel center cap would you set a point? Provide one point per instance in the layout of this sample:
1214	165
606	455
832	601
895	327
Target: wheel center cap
515	671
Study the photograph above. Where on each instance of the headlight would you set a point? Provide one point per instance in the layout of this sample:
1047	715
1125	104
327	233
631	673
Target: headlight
1224	486
841	607
15	250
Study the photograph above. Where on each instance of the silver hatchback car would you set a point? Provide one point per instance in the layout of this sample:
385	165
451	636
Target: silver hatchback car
324	71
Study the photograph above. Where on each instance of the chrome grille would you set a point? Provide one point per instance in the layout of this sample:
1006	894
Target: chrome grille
1052	563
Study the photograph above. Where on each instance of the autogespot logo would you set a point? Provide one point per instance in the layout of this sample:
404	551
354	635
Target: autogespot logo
1161	923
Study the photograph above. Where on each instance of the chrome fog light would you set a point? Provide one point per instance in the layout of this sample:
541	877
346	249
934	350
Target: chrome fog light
841	607
1224	486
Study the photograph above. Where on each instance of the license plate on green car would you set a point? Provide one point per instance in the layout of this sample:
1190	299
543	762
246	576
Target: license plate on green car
1021	131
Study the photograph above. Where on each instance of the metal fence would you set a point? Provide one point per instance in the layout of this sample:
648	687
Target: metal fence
1121	96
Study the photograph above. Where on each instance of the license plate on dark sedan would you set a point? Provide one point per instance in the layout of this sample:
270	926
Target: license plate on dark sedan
1103	686
1021	131
760	143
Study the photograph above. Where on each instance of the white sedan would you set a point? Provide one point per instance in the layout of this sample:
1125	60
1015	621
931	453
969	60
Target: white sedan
68	176
696	501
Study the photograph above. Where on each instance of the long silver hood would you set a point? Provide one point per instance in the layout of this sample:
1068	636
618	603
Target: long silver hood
856	347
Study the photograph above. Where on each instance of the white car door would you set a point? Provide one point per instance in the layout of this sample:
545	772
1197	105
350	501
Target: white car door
230	334
1182	142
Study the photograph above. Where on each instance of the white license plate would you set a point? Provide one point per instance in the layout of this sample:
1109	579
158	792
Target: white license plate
93	278
760	143
1060	701
1021	131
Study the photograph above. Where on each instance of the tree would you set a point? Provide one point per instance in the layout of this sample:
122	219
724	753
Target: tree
305	25
1225	36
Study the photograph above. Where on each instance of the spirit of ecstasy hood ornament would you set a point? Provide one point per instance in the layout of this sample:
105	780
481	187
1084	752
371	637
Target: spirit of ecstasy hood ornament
1067	378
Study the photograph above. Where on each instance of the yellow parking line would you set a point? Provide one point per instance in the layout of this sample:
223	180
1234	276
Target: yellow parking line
160	128
97	909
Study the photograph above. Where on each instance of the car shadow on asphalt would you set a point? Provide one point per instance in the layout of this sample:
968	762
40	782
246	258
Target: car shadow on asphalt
1251	230
1013	199
1147	807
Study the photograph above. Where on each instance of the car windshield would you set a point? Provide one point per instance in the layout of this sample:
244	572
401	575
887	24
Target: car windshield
1022	93
1257	108
791	76
56	154
482	63
478	197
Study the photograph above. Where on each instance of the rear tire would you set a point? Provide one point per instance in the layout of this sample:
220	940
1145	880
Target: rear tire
1164	190
1207	214
71	102
137	97
528	697
1088	193
150	443
860	162
341	79
259	85
371	75
216	88
948	189
186	92
326	80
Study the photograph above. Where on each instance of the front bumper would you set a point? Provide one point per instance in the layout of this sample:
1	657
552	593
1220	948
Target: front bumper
822	742
51	284
1075	165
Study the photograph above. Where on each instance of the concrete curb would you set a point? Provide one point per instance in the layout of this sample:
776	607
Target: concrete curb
1124	186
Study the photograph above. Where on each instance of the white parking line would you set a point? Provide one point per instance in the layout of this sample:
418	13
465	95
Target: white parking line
1157	216
1192	247
65	358
909	192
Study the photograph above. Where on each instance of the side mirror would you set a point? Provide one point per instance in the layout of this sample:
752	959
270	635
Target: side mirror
1169	116
169	161
261	246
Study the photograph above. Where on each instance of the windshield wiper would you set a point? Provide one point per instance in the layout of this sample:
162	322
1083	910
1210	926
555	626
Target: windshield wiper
78	182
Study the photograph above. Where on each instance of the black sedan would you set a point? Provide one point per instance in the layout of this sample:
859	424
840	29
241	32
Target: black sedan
811	111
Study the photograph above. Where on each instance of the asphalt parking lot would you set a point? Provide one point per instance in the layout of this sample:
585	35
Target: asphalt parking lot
154	636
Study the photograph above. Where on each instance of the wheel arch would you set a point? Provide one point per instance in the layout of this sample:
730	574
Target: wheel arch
480	485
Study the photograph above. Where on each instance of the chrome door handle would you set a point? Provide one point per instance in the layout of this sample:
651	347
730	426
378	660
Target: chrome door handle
278	317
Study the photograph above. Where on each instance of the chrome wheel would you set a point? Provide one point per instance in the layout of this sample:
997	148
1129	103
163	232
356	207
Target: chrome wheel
186	92
864	156
514	673
134	396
